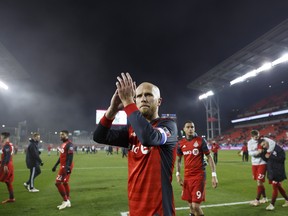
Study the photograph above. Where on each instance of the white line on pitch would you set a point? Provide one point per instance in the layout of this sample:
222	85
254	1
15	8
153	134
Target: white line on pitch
207	206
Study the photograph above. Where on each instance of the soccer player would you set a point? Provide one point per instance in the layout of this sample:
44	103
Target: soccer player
66	166
215	148
151	143
193	148
244	150
258	165
275	171
33	162
6	166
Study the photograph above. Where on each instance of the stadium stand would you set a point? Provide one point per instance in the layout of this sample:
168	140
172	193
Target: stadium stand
275	127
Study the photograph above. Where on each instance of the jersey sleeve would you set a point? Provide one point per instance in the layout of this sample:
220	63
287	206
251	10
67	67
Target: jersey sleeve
205	148
69	150
106	135
179	151
165	131
7	151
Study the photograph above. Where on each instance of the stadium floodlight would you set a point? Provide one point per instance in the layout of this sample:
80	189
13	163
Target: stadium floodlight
265	115
280	60
3	85
207	94
264	67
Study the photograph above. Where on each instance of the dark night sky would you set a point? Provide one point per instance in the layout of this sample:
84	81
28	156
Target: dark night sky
73	51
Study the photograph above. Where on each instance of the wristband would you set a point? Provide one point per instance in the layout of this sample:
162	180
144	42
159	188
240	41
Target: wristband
177	173
214	174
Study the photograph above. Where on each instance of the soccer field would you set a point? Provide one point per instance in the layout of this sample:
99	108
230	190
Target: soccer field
99	187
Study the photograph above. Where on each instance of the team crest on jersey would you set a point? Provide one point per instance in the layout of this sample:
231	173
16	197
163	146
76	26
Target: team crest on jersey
196	144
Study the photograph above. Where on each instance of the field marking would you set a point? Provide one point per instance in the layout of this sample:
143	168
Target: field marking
207	206
78	168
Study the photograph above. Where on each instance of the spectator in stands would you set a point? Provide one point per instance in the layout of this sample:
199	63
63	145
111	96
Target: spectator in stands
258	165
215	148
275	171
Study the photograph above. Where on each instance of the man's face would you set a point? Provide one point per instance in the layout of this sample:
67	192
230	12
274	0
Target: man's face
63	136
265	144
189	129
37	138
255	137
147	100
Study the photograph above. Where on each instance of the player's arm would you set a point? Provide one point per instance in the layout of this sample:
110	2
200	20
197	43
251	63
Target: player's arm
69	157
35	153
165	132
104	134
7	154
56	164
213	170
178	168
252	151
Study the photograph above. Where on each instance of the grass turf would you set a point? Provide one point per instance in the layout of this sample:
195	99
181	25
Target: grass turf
99	187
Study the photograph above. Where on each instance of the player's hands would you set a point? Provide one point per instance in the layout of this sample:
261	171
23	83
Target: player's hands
41	164
179	180
126	88
68	170
115	106
214	181
54	169
6	170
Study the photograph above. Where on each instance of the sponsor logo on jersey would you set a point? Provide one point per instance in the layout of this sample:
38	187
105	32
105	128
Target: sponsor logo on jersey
142	149
195	152
61	150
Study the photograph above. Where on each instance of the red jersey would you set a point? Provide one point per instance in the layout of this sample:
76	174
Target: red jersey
244	148
7	151
151	159
6	160
65	149
193	151
215	147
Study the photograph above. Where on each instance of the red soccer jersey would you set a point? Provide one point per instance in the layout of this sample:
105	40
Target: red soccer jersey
6	160
65	149
7	149
215	147
146	164
193	151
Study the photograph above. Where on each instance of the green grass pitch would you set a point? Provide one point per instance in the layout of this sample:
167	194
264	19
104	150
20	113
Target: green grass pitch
99	187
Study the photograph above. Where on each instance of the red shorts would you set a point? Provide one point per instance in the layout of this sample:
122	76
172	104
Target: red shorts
259	172
8	177
194	190
62	176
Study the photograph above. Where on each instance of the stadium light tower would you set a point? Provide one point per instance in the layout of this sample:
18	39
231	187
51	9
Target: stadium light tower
212	114
3	85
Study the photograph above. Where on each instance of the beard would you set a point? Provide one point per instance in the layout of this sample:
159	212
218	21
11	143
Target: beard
148	113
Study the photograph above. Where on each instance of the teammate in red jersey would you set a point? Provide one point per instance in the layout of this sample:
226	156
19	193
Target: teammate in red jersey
6	166
151	142
66	166
215	148
193	148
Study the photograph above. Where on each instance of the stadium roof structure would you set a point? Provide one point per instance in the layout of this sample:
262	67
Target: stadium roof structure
10	69
268	47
